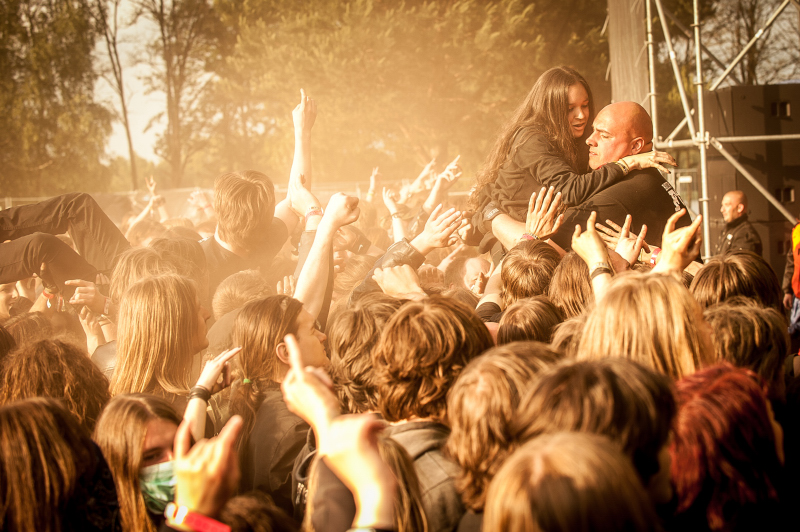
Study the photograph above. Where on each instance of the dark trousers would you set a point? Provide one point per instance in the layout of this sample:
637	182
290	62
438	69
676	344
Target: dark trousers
30	229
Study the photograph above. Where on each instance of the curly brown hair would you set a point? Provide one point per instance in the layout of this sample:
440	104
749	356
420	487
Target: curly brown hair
57	369
480	408
352	337
422	350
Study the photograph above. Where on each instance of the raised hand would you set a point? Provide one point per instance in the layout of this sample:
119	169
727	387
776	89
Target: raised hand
341	210
304	115
399	282
543	218
216	367
285	287
629	246
86	293
439	230
151	185
390	200
308	392
208	474
679	247
588	244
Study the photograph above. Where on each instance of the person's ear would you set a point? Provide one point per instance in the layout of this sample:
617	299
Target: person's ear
740	208
637	145
282	353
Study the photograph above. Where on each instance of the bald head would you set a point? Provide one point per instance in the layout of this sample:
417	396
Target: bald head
620	129
734	205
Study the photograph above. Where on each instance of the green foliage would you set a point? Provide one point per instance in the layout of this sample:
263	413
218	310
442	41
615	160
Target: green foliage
396	83
52	132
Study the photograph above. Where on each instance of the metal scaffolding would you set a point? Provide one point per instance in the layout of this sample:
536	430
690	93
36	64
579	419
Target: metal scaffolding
700	137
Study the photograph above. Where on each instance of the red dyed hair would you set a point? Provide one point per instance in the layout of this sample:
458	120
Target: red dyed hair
724	459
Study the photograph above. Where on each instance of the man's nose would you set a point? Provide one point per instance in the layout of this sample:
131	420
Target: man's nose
591	141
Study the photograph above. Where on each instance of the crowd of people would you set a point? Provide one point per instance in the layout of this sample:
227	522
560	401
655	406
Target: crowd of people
550	354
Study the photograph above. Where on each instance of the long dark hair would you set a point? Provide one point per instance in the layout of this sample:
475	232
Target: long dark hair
544	111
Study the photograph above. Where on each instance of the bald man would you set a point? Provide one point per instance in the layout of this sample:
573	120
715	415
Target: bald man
738	232
623	129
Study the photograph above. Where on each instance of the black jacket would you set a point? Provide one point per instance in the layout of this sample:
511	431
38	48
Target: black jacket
739	234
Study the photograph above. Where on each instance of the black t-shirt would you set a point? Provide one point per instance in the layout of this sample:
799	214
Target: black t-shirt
223	263
644	194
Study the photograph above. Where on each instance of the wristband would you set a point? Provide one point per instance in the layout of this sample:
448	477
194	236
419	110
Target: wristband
654	256
48	294
313	211
200	392
599	268
106	307
625	168
182	518
529	236
396	216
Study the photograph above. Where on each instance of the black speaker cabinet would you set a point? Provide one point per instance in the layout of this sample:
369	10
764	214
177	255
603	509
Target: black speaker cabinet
749	111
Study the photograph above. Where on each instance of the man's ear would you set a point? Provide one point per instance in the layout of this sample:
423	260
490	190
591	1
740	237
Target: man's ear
740	208
283	353
637	145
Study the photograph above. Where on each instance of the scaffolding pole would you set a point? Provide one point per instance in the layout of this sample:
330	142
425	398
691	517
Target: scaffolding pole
701	138
747	138
651	62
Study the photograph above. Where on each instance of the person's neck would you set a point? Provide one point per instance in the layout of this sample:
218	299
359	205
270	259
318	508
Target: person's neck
236	250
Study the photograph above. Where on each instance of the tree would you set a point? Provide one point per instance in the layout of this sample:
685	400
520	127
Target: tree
396	83
178	54
107	16
52	132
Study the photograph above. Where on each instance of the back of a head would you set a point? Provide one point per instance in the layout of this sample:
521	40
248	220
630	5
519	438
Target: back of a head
568	482
57	369
750	336
133	265
530	319
7	343
352	336
158	324
725	461
618	398
567	336
480	407
422	350
455	271
238	289
187	258
255	512
49	470
29	327
120	433
571	288
244	203
143	231
527	270
738	273
651	319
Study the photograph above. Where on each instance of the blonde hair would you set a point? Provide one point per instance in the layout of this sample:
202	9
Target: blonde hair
120	434
157	325
245	205
651	319
238	289
568	482
135	264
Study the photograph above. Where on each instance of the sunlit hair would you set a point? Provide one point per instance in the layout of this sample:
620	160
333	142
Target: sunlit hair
259	328
140	233
738	273
29	327
187	258
462	294
532	318
725	464
355	270
571	288
158	322
422	350
620	399
480	407
651	319
120	434
568	482
237	289
44	459
255	511
750	336
544	111
57	369
408	512
527	270
7	343
135	264
567	336
352	336
245	205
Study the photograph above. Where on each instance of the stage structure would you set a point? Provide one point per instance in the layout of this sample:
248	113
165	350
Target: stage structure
722	102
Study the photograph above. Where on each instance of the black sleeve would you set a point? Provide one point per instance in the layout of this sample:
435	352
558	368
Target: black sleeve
489	311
